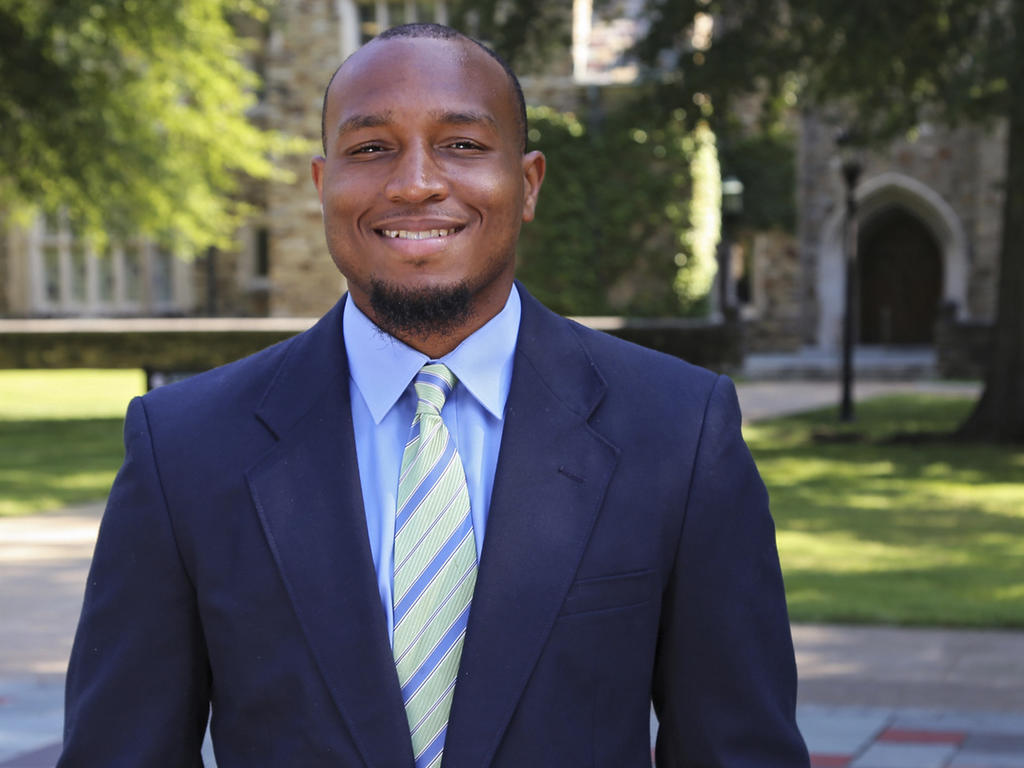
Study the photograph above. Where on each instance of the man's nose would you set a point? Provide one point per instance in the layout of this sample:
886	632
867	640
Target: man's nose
416	177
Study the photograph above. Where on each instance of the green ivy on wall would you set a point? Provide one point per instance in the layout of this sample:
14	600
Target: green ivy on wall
628	217
765	161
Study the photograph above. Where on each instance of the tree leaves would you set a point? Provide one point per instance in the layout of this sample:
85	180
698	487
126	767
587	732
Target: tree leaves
134	117
889	65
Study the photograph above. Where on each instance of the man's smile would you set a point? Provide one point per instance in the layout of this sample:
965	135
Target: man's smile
418	234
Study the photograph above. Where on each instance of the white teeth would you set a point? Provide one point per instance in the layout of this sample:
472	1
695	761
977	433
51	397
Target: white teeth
406	234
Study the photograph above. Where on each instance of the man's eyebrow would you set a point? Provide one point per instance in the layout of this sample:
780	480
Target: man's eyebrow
465	118
355	122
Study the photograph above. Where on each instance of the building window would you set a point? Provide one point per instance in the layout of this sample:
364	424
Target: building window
79	277
51	267
68	277
362	20
162	277
105	271
131	273
262	266
603	38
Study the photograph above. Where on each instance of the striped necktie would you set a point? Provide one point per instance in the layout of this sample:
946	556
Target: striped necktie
435	567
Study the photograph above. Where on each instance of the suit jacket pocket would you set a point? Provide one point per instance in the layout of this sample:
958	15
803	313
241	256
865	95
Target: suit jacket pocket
602	593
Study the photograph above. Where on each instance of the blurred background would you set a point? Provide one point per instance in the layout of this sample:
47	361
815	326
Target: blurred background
154	160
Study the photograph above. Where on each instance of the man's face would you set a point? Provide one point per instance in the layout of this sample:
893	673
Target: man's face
424	185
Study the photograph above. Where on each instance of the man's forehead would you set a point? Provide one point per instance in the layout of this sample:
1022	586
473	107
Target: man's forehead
382	67
392	54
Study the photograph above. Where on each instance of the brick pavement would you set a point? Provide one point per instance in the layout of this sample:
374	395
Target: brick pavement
871	737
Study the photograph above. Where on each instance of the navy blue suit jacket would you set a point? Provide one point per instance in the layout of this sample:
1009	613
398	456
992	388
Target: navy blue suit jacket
629	556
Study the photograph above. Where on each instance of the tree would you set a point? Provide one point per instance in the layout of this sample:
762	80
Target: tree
889	66
527	33
131	115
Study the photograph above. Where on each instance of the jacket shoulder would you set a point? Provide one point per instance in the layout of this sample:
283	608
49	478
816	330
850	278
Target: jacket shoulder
298	368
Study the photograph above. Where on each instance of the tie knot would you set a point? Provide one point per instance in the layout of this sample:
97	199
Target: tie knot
433	384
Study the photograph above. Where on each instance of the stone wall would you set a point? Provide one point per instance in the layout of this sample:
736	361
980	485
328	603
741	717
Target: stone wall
963	347
711	344
774	320
237	290
14	282
6	263
990	164
169	344
961	169
302	52
818	195
196	344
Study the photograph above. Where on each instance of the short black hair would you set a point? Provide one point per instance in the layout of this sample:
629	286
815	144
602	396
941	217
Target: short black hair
437	32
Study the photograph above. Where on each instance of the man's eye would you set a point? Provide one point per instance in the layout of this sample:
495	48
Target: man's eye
464	144
367	149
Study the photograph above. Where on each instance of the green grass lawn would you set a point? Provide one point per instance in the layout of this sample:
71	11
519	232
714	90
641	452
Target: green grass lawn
60	435
875	531
869	530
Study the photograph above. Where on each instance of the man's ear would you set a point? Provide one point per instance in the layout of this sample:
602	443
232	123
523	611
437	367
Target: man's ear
316	168
533	177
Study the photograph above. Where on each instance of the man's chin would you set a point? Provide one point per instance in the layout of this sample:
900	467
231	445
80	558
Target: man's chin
422	311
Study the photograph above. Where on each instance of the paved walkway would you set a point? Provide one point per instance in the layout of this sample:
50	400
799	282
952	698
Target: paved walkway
869	697
766	399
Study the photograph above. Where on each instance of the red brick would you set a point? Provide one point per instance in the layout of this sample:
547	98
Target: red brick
830	761
908	736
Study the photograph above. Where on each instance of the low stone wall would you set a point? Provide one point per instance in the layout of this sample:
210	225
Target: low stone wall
195	344
714	345
167	344
963	347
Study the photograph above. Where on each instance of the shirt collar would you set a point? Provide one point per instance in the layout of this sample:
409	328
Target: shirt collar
382	366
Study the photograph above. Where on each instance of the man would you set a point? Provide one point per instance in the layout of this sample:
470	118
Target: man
599	537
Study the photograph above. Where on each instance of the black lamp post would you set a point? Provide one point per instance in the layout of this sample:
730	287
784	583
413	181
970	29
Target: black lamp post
851	167
732	208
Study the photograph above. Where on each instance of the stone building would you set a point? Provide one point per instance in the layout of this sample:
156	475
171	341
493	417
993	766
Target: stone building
929	227
929	214
929	232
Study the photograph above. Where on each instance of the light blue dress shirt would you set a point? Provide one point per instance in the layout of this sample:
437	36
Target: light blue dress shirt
381	370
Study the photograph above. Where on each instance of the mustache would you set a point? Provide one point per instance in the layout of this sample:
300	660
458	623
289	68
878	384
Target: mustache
413	212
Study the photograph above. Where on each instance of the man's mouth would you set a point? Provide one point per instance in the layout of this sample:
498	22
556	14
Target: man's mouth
418	234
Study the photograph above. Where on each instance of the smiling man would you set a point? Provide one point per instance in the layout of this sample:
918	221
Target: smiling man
424	184
444	525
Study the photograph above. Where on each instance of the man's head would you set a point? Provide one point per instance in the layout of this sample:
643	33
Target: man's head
424	182
437	32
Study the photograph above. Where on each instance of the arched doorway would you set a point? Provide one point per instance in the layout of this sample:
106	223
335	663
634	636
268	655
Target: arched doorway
875	196
900	277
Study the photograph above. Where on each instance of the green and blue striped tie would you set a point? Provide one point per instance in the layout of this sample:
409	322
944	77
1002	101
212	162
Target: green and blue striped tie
435	567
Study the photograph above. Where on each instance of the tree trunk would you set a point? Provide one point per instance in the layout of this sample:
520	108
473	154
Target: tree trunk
999	415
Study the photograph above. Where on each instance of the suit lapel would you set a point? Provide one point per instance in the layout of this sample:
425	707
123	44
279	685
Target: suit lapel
307	494
550	481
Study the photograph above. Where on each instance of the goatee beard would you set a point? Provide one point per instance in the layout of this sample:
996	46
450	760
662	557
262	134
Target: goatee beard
420	312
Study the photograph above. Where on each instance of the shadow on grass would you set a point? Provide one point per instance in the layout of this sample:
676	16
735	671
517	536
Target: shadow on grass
929	532
951	596
50	463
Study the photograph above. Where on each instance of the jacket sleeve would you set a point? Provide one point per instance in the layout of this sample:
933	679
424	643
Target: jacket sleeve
138	680
725	676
